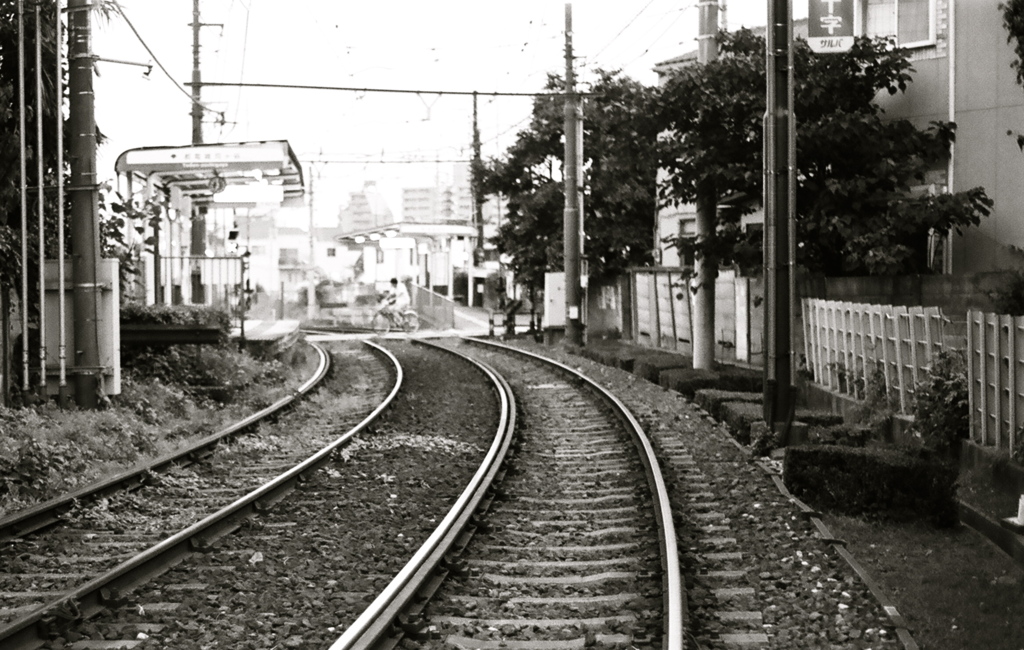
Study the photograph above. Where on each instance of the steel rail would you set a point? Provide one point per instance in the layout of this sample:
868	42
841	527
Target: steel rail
376	626
105	590
675	606
49	512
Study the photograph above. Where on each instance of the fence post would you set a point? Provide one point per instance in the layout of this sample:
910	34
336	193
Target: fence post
805	306
983	367
1000	326
972	377
656	310
672	312
1011	382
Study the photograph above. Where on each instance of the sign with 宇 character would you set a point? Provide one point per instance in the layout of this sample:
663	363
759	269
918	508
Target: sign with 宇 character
830	25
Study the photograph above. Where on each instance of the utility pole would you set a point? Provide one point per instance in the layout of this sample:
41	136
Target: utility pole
779	207
477	165
572	224
704	269
198	236
311	304
84	202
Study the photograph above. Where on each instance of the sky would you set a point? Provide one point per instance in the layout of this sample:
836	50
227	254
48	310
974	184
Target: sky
393	140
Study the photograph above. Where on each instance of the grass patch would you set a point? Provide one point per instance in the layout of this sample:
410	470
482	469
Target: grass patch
955	589
46	451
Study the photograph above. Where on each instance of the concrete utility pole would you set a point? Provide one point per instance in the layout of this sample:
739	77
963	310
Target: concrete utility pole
478	199
779	208
573	222
705	270
84	204
311	303
198	236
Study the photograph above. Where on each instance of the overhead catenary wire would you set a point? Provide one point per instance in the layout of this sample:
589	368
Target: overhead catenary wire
627	26
408	91
660	36
156	60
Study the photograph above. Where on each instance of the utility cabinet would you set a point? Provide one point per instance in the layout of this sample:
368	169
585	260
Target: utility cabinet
108	315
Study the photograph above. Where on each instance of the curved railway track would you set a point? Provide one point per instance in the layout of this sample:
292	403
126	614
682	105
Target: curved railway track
71	557
574	548
568	542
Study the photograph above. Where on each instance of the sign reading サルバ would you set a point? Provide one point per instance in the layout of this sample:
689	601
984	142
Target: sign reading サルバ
830	25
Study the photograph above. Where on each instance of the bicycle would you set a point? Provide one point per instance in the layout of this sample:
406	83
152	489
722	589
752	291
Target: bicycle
406	320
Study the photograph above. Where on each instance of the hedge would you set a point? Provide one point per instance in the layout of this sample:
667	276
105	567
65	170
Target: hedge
886	483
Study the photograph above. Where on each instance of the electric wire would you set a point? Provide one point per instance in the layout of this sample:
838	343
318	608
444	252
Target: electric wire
156	60
639	13
241	71
660	36
408	91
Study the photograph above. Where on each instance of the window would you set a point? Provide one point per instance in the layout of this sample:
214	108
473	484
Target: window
288	257
911	22
332	252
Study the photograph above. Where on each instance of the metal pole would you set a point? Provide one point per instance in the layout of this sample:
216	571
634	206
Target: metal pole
478	199
311	277
84	201
705	268
40	203
198	235
197	78
779	207
571	223
24	199
63	396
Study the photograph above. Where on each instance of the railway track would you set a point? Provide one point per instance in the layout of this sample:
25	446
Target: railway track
71	557
575	547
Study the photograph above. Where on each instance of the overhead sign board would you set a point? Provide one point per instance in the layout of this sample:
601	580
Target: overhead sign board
830	25
222	156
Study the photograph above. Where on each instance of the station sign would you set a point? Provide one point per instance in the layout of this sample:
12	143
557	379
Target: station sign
236	157
830	25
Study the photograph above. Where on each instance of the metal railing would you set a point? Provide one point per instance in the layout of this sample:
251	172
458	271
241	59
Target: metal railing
435	311
220	282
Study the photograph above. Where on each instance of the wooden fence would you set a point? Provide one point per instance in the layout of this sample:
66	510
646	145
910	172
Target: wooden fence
995	372
846	343
662	308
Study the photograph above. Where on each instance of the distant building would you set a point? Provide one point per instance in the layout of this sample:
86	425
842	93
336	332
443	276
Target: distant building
365	209
962	74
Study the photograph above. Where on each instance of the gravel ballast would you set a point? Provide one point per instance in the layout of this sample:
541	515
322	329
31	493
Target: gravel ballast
807	595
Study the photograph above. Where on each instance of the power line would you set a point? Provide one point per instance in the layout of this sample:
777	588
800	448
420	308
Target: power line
660	36
160	65
241	72
599	52
388	90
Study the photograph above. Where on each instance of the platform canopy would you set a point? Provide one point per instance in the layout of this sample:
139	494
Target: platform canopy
237	174
415	229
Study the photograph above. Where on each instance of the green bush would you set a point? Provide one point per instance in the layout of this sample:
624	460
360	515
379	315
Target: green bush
1009	298
941	404
840	434
133	312
220	373
873	481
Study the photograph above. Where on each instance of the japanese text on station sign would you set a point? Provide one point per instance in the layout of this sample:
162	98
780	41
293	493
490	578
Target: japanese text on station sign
830	25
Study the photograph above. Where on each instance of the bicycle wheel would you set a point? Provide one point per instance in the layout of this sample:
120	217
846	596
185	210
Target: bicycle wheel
381	323
410	321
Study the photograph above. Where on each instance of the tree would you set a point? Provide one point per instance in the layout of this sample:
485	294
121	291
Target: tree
856	209
1013	21
620	168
